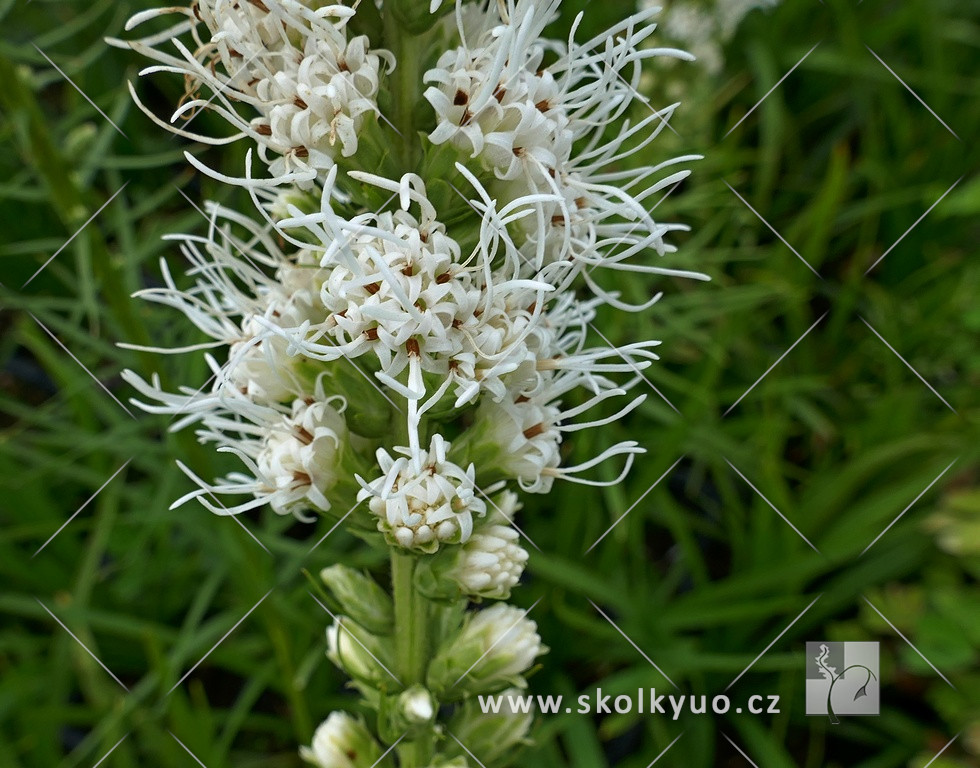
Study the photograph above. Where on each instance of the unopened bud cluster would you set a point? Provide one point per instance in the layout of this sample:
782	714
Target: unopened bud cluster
400	332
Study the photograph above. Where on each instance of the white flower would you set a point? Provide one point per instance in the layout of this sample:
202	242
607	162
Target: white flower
495	99
422	500
490	563
293	459
291	453
398	288
305	86
299	457
246	283
342	741
528	432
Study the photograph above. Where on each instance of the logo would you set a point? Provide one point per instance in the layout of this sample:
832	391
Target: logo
842	679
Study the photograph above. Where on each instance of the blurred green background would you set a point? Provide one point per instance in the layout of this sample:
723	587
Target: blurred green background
702	574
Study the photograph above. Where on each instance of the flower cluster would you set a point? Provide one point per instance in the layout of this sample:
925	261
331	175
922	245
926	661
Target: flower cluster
306	86
402	329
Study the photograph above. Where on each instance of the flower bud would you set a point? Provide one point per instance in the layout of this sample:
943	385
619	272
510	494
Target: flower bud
361	598
491	735
364	657
417	705
490	563
494	648
342	741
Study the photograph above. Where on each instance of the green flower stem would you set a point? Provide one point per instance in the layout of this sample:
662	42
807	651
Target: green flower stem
408	50
412	645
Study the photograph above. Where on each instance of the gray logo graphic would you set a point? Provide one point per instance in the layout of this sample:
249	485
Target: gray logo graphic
842	679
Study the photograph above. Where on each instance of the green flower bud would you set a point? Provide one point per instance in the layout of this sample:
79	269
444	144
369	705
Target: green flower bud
343	741
417	706
361	655
492	736
410	714
361	598
493	650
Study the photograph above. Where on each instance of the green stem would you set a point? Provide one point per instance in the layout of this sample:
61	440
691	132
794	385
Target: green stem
406	91
412	650
411	621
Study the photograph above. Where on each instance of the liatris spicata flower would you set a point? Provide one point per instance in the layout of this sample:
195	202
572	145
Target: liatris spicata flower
399	332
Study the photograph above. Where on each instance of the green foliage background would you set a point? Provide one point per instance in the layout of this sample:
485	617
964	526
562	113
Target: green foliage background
701	574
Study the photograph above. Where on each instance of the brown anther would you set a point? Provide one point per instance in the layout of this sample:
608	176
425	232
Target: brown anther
444	278
423	236
558	221
304	435
276	313
263	130
499	94
461	98
300	103
371	334
409	270
260	5
412	346
532	432
372	288
302	478
302	152
581	202
197	12
309	400
252	83
467	116
236	54
522	399
342	65
543	106
519	151
457	323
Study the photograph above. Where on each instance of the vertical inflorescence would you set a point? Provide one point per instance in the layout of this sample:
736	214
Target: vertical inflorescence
399	331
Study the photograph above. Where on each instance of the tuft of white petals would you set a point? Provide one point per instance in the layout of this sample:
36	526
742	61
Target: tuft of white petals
542	130
422	500
341	741
284	73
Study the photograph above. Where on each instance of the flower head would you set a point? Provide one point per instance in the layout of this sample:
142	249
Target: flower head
496	646
422	500
342	741
286	74
491	562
